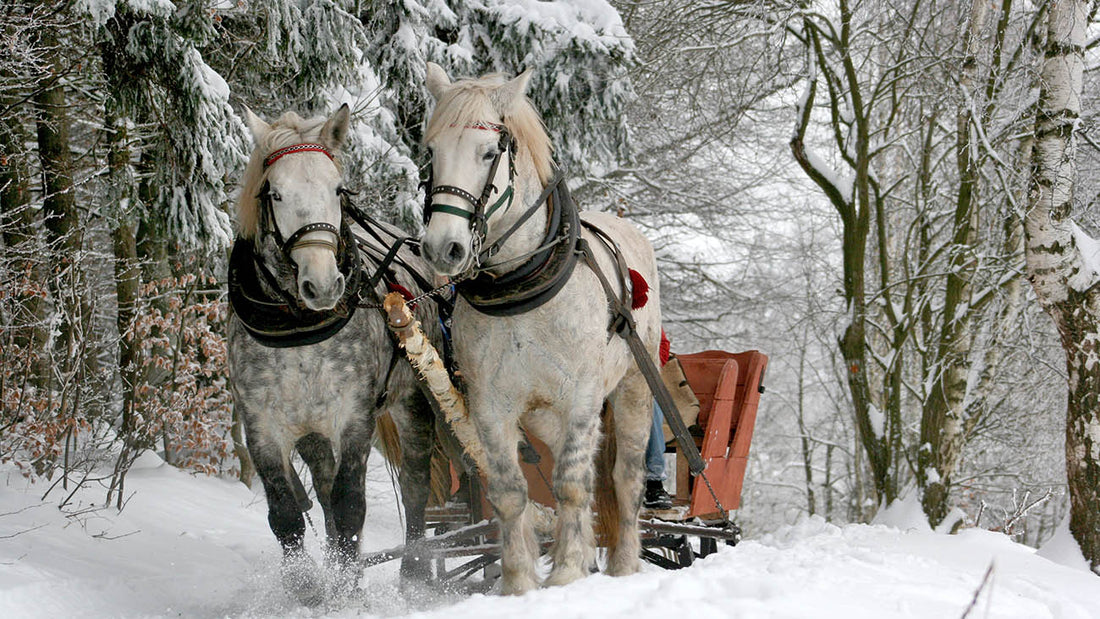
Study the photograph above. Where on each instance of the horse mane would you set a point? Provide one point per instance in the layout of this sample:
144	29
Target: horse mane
288	130
470	100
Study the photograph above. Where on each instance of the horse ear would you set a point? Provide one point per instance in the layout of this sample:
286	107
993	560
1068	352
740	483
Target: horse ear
512	91
437	81
335	130
256	125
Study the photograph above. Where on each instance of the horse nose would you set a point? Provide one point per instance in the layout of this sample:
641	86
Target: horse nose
451	255
318	297
455	253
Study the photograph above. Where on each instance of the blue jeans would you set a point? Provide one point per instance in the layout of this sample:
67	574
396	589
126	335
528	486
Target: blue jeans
655	449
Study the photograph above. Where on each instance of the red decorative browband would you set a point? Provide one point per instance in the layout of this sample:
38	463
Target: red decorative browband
296	148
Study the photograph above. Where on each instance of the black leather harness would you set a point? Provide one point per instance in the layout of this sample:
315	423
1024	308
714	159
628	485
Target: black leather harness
275	317
542	275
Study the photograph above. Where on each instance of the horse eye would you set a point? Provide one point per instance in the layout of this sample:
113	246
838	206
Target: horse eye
276	196
489	156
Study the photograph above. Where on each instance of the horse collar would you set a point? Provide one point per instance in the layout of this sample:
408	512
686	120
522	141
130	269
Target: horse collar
543	275
274	317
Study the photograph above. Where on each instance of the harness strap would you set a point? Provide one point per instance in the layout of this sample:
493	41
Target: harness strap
479	217
372	227
492	250
295	241
297	148
623	324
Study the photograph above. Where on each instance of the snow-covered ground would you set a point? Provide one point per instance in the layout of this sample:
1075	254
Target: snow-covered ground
200	547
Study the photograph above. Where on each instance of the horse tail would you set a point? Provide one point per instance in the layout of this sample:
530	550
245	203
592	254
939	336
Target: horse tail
607	504
440	491
389	442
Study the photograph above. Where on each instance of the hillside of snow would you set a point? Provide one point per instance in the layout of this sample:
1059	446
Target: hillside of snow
200	547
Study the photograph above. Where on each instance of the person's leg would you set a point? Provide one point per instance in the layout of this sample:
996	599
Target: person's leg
655	450
655	495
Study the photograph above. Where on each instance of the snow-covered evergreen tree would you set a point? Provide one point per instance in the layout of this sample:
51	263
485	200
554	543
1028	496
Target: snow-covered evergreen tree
156	70
579	52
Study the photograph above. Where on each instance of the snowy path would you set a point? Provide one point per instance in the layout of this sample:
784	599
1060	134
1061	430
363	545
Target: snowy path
199	547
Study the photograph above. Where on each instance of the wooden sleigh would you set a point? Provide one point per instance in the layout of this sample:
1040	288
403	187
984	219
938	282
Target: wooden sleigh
728	386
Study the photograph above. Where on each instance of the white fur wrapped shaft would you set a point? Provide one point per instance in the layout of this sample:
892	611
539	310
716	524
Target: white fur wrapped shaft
425	359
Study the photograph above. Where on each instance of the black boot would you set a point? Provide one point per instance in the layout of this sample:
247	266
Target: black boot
655	495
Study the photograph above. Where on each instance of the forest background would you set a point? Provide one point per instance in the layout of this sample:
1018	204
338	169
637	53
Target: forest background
878	194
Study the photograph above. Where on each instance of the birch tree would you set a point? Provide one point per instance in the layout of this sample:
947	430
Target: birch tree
1063	263
927	289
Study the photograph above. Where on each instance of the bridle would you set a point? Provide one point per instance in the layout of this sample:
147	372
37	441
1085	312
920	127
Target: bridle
479	216
267	212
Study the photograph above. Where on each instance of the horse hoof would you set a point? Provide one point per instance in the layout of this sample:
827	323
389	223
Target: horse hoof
627	570
561	577
415	569
517	586
343	571
300	580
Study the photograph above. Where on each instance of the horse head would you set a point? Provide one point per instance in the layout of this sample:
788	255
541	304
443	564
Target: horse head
480	134
290	203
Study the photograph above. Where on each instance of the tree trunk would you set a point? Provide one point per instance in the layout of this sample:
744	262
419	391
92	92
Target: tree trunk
127	269
942	421
1064	283
17	221
62	221
854	209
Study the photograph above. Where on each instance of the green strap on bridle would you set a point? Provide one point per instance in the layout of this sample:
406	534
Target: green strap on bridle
452	210
465	214
507	195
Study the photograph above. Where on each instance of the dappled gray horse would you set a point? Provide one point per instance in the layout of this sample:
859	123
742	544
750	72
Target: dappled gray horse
531	330
310	371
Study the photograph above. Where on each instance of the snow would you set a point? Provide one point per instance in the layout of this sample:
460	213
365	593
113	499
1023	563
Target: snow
905	514
1061	548
877	419
102	10
200	547
1088	249
598	23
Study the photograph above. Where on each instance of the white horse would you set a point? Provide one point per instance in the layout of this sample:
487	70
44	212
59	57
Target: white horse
309	372
531	332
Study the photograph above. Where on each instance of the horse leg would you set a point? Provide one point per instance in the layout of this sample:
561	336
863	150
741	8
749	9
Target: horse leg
633	407
417	436
284	515
316	451
507	493
349	504
574	551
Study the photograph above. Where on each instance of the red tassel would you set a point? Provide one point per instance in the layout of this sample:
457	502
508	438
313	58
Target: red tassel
639	290
403	291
